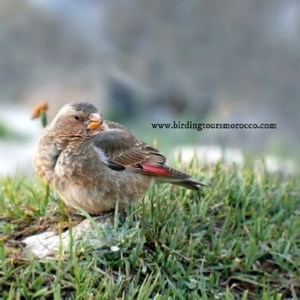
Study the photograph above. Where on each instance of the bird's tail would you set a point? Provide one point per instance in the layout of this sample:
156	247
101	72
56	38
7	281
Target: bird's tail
190	184
182	179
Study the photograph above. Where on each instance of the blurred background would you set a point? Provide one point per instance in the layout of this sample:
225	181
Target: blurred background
143	62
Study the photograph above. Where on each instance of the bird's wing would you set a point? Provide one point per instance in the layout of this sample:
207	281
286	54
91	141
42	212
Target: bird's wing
123	150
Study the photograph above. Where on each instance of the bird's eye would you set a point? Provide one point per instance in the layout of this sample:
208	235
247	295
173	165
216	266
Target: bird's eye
76	118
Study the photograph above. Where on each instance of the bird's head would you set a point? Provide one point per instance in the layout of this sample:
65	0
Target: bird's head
78	119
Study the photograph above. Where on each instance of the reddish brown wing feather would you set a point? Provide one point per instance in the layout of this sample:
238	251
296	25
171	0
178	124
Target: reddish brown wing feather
153	170
124	149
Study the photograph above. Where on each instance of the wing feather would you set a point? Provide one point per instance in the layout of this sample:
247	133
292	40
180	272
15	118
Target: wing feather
124	149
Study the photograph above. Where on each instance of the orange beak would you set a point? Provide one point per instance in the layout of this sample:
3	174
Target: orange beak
95	121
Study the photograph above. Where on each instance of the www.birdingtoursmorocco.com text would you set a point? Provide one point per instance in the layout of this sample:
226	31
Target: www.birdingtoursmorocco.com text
201	126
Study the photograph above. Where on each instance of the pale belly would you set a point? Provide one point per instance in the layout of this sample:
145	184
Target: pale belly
103	193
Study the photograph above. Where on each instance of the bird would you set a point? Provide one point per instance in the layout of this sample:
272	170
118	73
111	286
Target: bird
94	164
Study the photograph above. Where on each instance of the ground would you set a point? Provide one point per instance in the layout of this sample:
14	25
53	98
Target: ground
237	239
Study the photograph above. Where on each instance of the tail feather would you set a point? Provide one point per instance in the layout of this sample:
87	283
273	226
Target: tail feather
183	180
190	184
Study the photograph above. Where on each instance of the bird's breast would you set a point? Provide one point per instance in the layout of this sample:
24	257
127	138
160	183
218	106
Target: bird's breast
79	164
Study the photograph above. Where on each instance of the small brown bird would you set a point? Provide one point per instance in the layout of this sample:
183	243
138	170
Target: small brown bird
93	163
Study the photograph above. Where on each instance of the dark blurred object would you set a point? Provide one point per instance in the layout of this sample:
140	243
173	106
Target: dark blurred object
123	97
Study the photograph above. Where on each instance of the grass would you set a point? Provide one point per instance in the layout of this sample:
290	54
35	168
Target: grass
238	239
